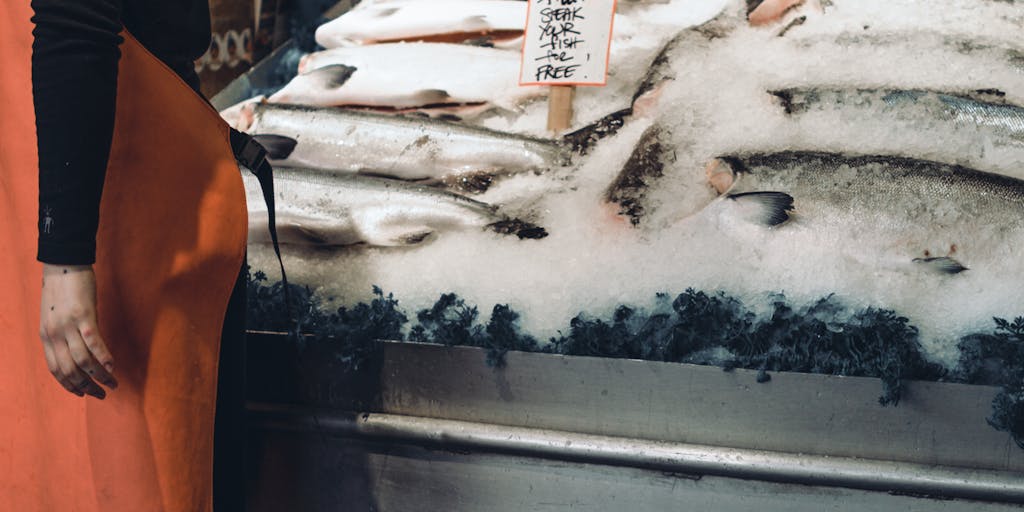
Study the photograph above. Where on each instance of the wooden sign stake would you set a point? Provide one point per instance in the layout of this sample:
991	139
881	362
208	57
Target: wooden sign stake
560	108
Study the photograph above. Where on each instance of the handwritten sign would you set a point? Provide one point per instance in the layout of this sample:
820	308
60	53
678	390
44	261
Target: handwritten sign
567	42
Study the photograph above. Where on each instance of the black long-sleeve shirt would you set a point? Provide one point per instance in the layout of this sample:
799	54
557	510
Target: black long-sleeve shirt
75	58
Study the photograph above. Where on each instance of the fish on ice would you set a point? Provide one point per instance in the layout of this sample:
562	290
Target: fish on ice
879	210
408	75
316	208
407	148
453	21
983	110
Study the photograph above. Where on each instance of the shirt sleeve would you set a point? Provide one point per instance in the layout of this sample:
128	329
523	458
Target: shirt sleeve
75	56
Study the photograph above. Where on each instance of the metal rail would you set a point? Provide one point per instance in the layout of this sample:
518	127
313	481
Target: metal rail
816	470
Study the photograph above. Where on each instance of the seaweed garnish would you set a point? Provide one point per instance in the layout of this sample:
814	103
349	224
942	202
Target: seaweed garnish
998	359
358	330
451	322
353	333
503	335
710	329
719	330
820	339
697	327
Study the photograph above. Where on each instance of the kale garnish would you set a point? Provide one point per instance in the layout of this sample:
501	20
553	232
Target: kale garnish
998	359
823	337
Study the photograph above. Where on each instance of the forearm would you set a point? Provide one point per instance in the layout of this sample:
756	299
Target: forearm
74	78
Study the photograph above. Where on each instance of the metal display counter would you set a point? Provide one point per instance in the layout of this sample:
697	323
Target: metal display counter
427	427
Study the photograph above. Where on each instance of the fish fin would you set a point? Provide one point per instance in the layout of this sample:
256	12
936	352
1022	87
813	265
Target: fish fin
382	233
943	265
414	237
278	147
517	227
387	11
303	230
470	182
767	208
331	77
580	141
796	22
787	101
475	22
432	97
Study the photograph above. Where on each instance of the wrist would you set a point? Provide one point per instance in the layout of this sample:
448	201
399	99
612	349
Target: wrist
50	269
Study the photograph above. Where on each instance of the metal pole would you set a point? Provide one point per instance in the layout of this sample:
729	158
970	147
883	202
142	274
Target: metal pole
865	474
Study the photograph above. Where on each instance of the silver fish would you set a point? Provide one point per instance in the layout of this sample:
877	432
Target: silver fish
939	217
317	208
984	110
408	148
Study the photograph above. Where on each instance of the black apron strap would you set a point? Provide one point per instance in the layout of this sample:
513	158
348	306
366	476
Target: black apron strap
252	155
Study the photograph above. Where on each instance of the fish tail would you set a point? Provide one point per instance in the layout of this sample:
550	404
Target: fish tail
519	228
583	139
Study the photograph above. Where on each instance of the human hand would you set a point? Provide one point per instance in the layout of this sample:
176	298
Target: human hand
75	353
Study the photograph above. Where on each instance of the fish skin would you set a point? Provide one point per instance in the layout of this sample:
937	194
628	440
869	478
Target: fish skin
645	165
314	208
412	21
407	75
1003	122
884	41
891	210
408	148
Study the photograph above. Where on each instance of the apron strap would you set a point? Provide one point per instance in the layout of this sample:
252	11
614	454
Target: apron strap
253	156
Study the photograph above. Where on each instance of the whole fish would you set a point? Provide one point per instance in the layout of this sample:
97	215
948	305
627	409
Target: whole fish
408	148
437	21
889	210
1003	123
406	75
315	208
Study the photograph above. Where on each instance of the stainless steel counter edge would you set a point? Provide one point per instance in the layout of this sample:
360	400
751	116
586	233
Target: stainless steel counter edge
815	470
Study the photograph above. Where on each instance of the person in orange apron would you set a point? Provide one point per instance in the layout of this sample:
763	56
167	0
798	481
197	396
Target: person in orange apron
123	182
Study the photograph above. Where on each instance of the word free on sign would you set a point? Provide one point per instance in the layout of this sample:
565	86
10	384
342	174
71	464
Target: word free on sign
567	42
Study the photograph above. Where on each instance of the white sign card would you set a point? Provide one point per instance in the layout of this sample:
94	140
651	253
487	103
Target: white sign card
567	42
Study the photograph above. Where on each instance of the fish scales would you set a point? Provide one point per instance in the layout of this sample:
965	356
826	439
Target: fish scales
644	167
327	209
904	208
408	148
986	111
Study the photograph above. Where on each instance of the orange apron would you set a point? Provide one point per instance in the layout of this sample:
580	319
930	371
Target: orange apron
170	244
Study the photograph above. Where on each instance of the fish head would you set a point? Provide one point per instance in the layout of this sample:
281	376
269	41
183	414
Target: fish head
768	208
722	173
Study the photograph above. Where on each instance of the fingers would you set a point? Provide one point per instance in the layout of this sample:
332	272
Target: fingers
74	376
54	366
91	357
